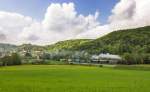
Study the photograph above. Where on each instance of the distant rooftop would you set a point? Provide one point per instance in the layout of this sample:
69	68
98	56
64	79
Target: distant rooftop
108	56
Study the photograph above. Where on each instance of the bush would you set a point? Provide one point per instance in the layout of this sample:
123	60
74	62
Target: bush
100	65
14	59
135	58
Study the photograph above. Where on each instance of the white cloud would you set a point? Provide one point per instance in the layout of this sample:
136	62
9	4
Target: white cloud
125	14
62	22
95	32
11	24
130	14
64	18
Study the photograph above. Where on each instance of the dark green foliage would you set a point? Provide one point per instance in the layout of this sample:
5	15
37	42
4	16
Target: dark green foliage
14	59
28	54
132	44
6	61
120	42
136	58
67	45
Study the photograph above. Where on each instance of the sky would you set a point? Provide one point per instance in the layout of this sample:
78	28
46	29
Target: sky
45	22
37	8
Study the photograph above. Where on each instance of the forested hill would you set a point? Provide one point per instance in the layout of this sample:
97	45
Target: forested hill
7	47
67	45
118	42
10	47
30	47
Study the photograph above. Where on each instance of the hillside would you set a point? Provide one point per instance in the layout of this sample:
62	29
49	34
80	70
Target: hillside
30	47
10	47
67	45
117	42
7	47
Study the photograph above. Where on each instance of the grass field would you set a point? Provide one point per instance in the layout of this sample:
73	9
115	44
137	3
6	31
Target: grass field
66	78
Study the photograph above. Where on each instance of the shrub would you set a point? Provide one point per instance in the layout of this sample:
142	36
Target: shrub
14	59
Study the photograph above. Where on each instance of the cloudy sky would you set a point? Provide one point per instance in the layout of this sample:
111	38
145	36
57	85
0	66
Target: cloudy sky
48	21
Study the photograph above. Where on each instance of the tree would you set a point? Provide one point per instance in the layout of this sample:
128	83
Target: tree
15	58
127	58
6	61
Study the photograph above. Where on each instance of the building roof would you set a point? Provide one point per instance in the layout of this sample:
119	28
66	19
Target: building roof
109	56
106	56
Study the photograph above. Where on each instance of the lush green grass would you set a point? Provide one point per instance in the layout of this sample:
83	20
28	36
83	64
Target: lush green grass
65	78
52	62
133	67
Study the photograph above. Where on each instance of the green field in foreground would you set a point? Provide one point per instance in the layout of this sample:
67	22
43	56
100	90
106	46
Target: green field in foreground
67	78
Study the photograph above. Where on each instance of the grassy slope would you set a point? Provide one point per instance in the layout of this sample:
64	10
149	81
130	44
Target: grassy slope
72	79
119	42
68	44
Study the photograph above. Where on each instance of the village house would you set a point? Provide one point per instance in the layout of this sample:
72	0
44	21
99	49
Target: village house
105	59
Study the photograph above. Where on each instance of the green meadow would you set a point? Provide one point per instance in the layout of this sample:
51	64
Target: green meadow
72	78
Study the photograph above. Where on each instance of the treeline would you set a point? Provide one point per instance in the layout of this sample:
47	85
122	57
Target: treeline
135	58
63	54
132	44
127	58
13	59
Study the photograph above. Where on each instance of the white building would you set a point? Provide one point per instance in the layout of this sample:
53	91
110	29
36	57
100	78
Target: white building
110	56
106	58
